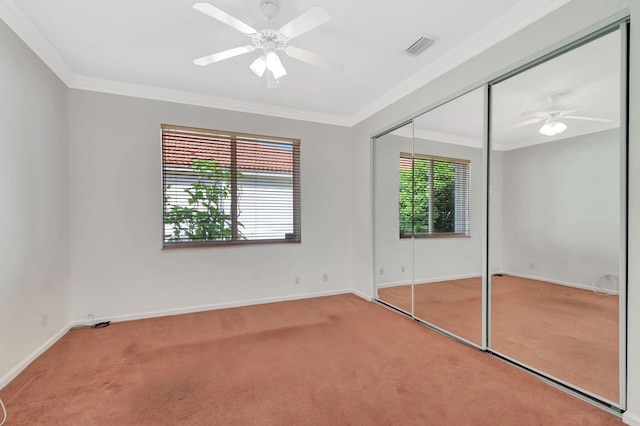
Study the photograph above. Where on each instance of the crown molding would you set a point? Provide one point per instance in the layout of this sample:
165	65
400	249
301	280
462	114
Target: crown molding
190	98
513	20
505	25
449	138
20	24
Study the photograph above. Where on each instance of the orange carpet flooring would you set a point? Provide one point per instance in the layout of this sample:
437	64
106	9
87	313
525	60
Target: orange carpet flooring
566	332
335	360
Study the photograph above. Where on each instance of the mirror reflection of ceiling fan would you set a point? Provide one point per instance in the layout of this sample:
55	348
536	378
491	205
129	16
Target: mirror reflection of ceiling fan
553	118
271	41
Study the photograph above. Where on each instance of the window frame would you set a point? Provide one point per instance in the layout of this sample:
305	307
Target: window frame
296	235
466	233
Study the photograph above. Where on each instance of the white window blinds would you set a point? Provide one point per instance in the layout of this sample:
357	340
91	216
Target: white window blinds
433	196
225	187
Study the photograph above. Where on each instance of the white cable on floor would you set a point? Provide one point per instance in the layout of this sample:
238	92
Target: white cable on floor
602	289
4	410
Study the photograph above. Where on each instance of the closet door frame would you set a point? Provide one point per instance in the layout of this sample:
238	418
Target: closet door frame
619	21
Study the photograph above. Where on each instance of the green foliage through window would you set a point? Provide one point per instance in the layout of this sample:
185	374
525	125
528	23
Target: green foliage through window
433	196
207	215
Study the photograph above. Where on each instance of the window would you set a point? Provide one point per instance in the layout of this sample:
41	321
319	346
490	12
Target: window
229	188
433	196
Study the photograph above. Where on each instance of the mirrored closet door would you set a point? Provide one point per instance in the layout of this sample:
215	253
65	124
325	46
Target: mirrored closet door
511	236
392	217
557	203
448	216
428	217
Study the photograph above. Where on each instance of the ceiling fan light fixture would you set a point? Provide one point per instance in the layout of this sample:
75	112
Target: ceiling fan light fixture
275	65
552	128
279	72
273	61
259	66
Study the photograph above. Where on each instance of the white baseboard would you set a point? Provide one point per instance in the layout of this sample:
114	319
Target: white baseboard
215	306
11	374
362	295
393	284
429	280
513	274
565	283
631	419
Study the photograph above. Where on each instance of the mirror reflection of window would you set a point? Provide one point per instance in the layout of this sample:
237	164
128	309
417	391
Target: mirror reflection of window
433	196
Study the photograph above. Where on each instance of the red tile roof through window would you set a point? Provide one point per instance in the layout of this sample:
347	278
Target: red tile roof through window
180	150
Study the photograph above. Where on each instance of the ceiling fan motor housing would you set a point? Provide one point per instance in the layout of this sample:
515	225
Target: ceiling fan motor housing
269	38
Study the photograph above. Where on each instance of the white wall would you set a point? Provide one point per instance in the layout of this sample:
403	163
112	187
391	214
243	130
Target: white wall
424	259
561	209
118	267
34	248
519	48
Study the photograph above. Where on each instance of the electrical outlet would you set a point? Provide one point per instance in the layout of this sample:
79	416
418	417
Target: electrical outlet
381	271
297	280
532	265
44	319
325	277
402	269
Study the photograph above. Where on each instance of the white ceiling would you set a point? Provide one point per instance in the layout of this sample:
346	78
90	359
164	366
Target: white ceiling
145	48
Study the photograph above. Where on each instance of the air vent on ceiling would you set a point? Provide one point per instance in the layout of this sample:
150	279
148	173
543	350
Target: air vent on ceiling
420	45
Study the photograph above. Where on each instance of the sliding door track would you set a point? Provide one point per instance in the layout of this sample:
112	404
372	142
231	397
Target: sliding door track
559	385
428	325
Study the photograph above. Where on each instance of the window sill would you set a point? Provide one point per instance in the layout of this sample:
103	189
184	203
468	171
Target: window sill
408	236
211	244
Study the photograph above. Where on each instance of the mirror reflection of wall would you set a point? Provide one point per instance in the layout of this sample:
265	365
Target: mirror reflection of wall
555	252
393	255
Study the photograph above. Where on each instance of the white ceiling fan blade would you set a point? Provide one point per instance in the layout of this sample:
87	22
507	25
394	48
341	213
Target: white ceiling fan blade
533	114
564	111
259	66
526	123
307	21
272	83
224	17
225	54
575	117
314	59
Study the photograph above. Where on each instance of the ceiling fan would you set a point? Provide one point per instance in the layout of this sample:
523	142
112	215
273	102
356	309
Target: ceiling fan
270	41
552	116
